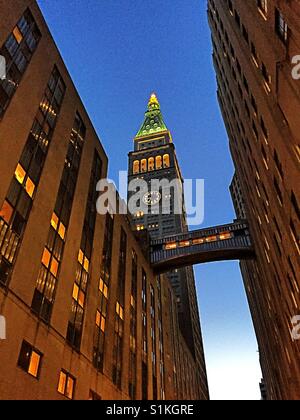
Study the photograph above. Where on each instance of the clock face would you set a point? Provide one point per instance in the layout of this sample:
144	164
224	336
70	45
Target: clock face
152	198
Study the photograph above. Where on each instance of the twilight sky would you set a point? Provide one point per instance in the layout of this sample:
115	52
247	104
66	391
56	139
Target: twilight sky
118	52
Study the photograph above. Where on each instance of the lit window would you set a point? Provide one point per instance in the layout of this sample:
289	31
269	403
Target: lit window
211	239
75	292
18	35
166	160
30	187
158	162
62	383
225	236
184	244
20	174
81	298
54	267
66	385
29	360
144	165
80	257
86	264
198	241
62	231
151	164
6	211
171	246
120	310
34	364
100	321
103	288
54	221
136	167
46	258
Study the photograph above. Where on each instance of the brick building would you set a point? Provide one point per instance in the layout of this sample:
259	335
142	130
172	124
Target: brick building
86	317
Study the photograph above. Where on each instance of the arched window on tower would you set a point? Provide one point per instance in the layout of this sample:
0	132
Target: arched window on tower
136	167
144	165
158	162
151	165
166	161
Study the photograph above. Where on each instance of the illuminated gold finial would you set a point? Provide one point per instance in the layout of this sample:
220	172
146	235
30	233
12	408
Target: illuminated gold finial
153	99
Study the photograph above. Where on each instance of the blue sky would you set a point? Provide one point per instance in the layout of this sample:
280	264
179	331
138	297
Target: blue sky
118	52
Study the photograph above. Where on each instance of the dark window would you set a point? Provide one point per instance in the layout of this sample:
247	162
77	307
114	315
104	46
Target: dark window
94	396
281	26
295	205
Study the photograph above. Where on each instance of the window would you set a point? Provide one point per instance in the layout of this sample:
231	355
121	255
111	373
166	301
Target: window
94	396
278	191
281	26
30	359
263	6
254	54
166	160
144	165
151	164
136	167
66	385
6	211
158	162
267	77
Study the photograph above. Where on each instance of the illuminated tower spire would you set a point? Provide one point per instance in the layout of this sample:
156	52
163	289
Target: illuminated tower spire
153	122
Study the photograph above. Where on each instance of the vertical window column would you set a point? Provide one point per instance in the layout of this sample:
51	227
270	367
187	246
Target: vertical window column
133	328
75	325
119	317
17	50
16	208
144	338
44	294
161	342
153	340
104	284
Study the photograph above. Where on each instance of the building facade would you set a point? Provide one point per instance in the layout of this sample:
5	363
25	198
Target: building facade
254	45
154	159
85	316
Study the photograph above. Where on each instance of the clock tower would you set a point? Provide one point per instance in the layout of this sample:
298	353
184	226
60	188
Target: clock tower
154	158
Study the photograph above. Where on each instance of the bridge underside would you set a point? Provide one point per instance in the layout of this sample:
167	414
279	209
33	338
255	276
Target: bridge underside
202	257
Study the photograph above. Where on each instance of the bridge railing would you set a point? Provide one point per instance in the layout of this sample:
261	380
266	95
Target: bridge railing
233	227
